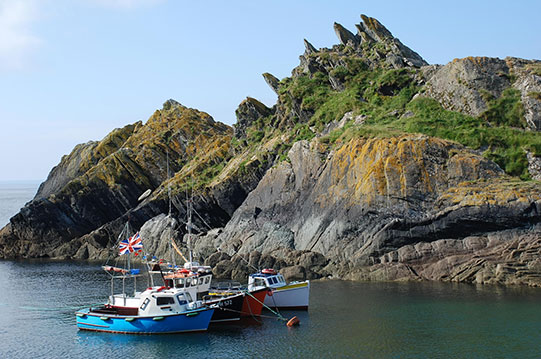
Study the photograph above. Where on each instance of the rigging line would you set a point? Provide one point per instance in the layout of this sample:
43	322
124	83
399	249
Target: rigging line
241	257
201	218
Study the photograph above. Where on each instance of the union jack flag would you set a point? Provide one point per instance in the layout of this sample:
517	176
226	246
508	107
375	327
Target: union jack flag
132	244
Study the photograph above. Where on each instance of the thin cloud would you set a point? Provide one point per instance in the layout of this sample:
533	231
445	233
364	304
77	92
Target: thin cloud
16	39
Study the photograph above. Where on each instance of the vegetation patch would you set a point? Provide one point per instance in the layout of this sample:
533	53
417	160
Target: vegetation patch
506	110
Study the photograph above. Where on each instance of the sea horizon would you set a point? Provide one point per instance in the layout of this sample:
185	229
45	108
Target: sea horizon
14	195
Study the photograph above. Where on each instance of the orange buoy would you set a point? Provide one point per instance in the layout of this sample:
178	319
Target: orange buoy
293	322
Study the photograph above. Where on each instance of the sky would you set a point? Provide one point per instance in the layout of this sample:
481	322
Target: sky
73	70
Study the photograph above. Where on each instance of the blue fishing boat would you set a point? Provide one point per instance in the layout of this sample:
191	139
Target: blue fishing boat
157	309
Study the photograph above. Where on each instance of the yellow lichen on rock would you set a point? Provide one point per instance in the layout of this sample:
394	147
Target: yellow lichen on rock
404	167
500	191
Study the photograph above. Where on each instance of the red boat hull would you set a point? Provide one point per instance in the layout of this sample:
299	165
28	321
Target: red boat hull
253	303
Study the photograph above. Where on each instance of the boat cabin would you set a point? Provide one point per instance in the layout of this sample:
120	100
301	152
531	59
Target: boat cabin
153	301
192	276
162	300
266	278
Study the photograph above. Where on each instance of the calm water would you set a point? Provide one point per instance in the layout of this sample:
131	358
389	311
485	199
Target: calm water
13	196
346	319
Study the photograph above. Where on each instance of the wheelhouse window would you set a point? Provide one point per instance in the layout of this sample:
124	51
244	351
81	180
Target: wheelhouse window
180	283
281	278
188	297
145	303
207	279
259	282
164	300
181	299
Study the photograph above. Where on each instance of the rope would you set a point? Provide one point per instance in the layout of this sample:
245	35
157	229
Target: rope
238	311
266	306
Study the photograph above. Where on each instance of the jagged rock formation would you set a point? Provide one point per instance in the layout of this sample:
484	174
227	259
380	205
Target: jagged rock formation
372	165
249	111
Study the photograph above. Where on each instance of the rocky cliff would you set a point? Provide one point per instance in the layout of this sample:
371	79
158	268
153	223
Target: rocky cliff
371	165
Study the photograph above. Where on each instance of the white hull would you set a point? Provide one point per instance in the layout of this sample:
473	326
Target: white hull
294	296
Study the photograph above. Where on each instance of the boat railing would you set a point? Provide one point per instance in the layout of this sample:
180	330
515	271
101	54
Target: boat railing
226	286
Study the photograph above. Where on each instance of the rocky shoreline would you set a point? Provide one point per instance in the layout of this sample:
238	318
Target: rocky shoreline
372	165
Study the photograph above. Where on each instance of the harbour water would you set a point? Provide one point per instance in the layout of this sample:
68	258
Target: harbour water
346	319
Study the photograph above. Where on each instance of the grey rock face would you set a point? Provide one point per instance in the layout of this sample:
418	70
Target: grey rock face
529	85
371	30
340	206
68	169
463	84
157	234
534	166
505	257
82	158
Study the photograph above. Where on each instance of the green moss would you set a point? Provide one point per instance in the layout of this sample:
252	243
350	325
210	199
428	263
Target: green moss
503	144
340	72
535	95
506	110
337	104
303	132
312	91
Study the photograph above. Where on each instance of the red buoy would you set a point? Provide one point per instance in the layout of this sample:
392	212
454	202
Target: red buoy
268	271
293	322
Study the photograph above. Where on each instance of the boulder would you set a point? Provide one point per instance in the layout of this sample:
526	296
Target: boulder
292	273
465	85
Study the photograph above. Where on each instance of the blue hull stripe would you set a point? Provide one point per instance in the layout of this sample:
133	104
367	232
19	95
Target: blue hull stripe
175	323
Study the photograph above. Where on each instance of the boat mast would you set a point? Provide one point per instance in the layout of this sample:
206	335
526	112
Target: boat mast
173	261
129	265
190	229
189	209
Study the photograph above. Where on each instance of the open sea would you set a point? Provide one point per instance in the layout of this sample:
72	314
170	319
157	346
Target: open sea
346	319
13	196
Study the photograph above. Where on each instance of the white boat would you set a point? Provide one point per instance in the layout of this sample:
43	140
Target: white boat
158	309
294	295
